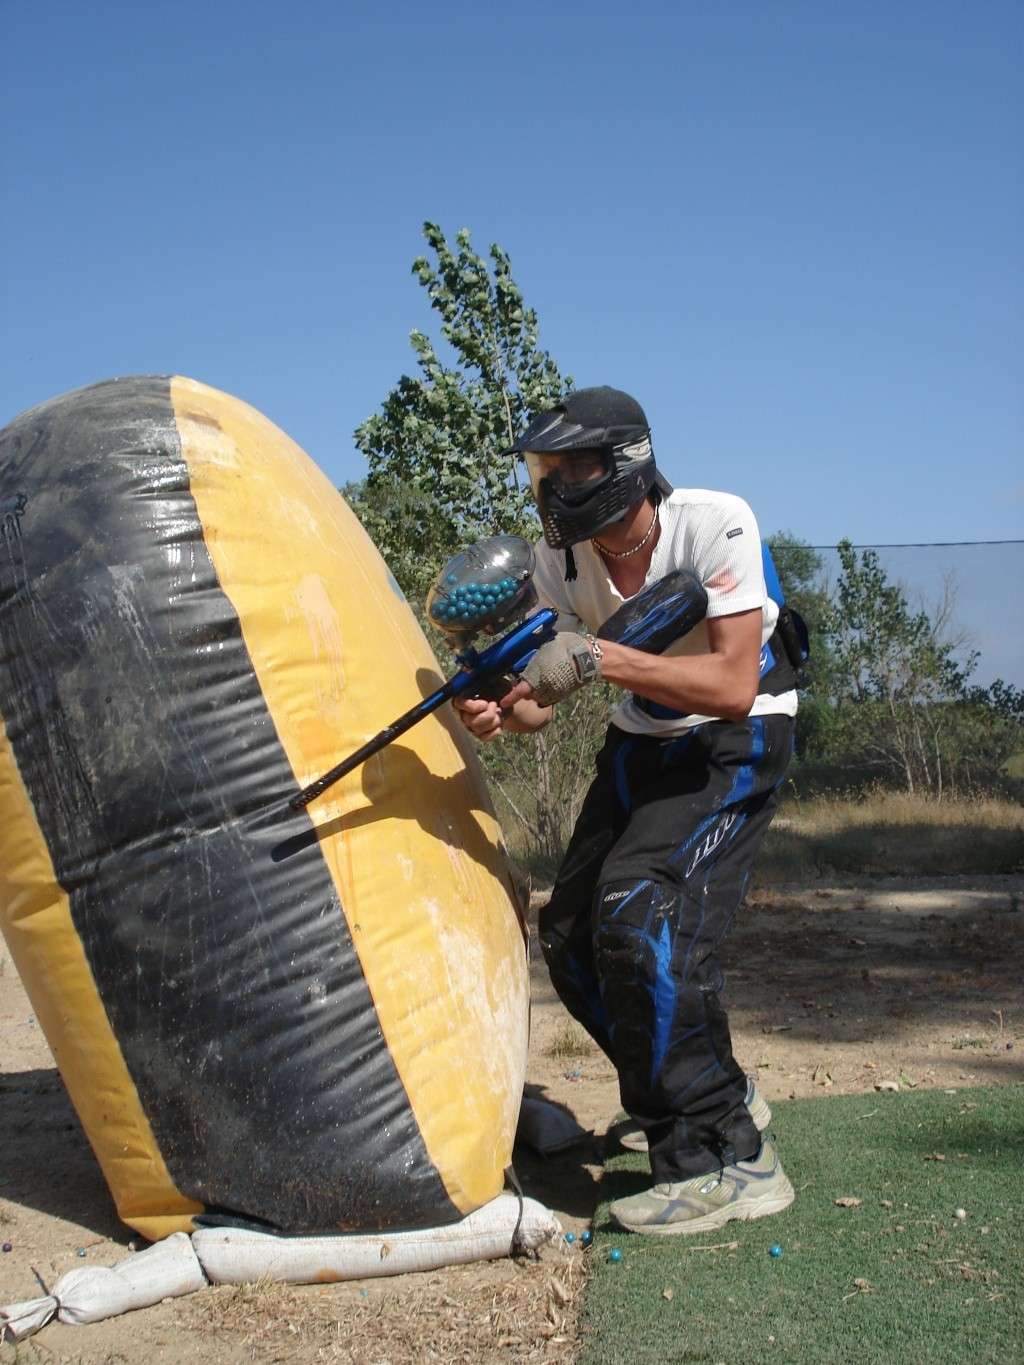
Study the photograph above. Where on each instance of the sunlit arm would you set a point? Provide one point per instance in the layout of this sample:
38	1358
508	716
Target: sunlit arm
526	717
721	683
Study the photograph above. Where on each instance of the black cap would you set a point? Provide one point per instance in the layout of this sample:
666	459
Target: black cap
599	416
603	407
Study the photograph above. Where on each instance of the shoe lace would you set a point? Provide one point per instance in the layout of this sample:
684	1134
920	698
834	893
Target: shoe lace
722	1152
664	1189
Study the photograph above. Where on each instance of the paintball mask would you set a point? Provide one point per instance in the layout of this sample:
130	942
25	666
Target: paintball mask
589	460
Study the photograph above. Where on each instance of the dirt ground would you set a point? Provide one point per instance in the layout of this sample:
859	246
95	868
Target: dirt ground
831	990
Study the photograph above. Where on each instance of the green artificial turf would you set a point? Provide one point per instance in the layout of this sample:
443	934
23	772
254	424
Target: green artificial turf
897	1278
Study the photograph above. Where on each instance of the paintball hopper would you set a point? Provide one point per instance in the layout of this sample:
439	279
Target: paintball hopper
484	589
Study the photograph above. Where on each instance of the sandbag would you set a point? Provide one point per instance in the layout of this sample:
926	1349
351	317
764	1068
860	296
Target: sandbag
505	1225
315	1019
91	1293
548	1128
230	1255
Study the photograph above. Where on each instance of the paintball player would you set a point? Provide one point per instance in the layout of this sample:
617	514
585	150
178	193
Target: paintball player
684	790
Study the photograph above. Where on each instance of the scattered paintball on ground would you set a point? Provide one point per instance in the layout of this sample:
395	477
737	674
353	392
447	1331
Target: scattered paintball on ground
913	1281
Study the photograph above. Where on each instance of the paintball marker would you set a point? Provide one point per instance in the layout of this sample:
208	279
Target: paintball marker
480	591
490	587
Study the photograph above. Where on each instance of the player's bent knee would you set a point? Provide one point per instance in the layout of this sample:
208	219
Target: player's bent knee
635	928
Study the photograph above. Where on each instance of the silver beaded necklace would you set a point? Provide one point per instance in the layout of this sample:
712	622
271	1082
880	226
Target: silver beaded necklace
627	554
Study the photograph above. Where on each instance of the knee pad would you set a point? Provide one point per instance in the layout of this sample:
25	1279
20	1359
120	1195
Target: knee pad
634	950
637	924
635	927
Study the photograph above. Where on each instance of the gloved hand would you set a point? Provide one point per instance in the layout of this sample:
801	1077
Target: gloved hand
561	666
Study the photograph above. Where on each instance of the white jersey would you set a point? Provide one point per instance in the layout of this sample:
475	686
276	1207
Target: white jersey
715	536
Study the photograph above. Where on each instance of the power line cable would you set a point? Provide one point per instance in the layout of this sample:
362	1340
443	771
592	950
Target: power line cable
907	545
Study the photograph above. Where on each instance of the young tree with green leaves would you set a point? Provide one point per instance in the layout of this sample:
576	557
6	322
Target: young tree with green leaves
901	696
801	571
439	480
437	477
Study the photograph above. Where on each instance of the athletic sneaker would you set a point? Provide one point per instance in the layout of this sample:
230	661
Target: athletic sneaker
634	1139
749	1189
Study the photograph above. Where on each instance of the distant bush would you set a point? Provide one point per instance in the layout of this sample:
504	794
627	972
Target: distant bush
891	834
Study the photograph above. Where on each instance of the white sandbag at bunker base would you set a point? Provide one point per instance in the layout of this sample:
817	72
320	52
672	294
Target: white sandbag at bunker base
238	1256
163	1271
181	1265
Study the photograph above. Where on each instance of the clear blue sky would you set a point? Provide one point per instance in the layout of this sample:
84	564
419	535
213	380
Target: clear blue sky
792	229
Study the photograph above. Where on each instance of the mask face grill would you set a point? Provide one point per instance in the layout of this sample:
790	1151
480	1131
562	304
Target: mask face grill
568	518
565	524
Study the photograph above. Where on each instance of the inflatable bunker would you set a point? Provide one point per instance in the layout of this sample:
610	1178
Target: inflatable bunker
315	1020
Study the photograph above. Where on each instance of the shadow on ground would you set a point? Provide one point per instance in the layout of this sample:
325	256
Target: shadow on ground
47	1164
568	1180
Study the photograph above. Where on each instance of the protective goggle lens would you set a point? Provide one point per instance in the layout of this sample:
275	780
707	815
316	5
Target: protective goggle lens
573	478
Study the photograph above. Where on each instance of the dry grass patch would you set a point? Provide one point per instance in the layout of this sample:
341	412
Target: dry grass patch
512	1312
570	1041
893	834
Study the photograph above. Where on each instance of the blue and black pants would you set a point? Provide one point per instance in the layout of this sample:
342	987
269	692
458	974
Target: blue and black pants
653	876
